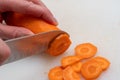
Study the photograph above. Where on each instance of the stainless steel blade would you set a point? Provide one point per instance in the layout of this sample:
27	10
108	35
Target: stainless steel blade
29	45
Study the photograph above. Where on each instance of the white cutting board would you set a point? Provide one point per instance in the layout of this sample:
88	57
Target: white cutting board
95	21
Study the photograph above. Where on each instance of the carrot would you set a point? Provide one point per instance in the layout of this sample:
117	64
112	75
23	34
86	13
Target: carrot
77	66
103	62
85	50
36	25
69	60
91	69
56	73
70	74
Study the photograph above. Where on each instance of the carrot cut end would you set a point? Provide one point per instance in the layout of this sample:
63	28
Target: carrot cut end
59	45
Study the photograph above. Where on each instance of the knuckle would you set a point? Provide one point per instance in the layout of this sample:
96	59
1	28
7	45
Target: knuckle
28	7
18	32
15	33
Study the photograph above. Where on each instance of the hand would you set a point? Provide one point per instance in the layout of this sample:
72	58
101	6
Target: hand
32	7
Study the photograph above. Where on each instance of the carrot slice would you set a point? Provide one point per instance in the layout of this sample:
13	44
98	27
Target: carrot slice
91	69
70	74
37	25
56	73
103	62
77	66
85	50
69	60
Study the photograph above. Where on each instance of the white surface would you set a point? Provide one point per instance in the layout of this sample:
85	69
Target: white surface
96	21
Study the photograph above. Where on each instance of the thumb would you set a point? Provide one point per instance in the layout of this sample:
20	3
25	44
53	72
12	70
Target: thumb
8	32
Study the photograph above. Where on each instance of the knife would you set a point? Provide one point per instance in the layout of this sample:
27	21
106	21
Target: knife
28	45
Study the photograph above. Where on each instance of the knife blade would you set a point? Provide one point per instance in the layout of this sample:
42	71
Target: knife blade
28	45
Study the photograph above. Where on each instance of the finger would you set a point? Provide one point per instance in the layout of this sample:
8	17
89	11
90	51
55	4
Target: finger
40	3
29	7
4	51
8	32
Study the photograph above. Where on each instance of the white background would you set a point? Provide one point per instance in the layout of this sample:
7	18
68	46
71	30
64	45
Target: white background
95	21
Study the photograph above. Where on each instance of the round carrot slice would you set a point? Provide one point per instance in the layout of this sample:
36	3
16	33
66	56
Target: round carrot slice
77	66
91	69
69	60
56	73
85	50
103	62
70	74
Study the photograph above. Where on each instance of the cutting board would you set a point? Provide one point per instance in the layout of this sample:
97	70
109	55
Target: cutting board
95	21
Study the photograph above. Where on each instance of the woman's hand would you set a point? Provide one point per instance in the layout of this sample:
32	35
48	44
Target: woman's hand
32	7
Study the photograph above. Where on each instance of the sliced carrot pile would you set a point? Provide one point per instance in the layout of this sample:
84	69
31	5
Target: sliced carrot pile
69	60
56	73
91	69
77	66
103	62
70	74
85	50
36	25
